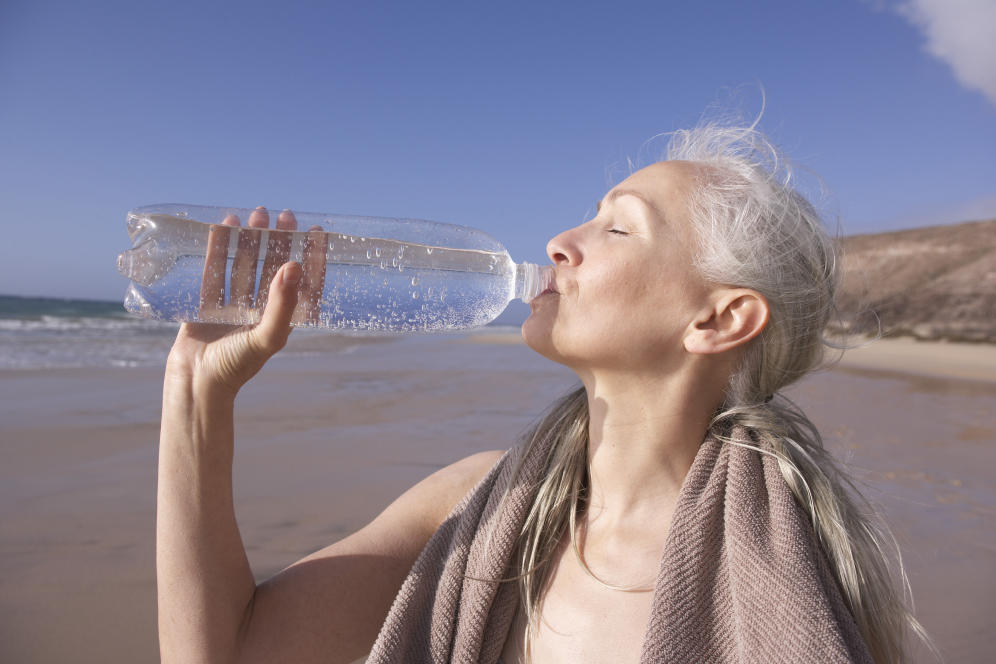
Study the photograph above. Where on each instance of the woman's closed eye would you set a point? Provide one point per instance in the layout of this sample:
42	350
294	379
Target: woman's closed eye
618	231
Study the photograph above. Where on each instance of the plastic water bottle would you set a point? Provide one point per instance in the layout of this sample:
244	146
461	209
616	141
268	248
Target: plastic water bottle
381	275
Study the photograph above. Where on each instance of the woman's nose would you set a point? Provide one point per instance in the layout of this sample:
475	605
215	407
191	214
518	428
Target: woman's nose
563	250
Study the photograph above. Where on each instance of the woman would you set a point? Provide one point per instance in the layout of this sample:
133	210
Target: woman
671	509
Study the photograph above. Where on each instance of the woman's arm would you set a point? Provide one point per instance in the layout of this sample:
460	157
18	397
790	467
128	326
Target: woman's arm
327	607
203	576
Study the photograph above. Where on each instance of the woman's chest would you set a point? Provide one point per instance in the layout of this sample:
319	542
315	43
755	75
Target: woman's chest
582	621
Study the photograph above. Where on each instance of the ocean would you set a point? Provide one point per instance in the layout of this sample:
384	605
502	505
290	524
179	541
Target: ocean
38	332
54	333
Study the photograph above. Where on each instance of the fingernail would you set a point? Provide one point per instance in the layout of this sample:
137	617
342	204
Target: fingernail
292	274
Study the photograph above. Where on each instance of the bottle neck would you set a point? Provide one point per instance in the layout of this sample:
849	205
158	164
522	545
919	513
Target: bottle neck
531	280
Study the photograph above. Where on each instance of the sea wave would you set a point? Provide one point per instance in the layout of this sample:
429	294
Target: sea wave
43	333
46	323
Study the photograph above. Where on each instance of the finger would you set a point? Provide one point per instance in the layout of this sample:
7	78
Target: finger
243	284
274	327
277	253
313	258
215	264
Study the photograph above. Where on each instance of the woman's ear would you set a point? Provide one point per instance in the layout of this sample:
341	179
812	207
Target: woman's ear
736	316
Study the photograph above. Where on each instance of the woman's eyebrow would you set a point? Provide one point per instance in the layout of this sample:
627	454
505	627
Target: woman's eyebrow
616	193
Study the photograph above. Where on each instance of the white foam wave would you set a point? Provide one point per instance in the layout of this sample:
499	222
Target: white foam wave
71	324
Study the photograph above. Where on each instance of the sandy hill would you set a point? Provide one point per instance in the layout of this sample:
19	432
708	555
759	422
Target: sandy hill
932	283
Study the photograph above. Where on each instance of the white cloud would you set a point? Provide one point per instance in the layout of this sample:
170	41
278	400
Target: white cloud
961	33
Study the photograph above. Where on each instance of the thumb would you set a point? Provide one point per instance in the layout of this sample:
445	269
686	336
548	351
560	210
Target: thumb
274	326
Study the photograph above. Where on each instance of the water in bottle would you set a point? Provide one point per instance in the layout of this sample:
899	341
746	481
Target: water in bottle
380	274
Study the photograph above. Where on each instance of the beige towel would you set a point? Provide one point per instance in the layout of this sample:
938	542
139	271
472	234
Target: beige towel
742	578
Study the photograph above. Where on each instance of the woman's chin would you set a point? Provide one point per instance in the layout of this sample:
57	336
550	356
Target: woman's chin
538	335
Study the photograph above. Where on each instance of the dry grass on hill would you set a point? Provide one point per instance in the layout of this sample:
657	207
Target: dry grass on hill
930	283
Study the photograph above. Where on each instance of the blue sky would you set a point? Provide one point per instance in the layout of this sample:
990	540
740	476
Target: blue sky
510	117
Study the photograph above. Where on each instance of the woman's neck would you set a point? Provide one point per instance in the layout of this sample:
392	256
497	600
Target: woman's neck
644	432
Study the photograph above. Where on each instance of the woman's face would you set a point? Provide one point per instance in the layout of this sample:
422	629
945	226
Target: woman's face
626	288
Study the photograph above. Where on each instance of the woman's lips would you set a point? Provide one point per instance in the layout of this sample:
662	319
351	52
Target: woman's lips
548	291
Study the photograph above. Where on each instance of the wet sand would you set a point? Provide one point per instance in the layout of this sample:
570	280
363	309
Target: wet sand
326	440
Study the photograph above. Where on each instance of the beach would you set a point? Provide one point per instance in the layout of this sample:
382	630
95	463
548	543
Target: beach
334	428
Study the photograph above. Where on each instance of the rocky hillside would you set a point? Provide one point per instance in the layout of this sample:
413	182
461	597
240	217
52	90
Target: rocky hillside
931	283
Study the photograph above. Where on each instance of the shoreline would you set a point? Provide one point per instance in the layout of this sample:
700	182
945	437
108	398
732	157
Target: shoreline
952	360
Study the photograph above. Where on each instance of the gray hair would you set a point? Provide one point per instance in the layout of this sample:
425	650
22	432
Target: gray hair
756	231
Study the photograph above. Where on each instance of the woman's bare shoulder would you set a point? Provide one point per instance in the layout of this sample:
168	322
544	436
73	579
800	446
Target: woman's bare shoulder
329	606
442	490
419	511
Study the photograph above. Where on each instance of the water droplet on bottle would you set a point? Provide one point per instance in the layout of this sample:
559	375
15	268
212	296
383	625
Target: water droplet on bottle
377	251
428	250
368	254
414	295
401	251
352	239
415	280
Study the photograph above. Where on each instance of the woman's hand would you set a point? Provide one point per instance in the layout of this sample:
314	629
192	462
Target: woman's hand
222	358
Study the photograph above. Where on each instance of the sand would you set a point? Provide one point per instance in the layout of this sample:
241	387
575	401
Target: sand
325	440
939	359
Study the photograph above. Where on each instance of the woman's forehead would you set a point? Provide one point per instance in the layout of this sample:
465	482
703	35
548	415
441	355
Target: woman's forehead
664	178
663	186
